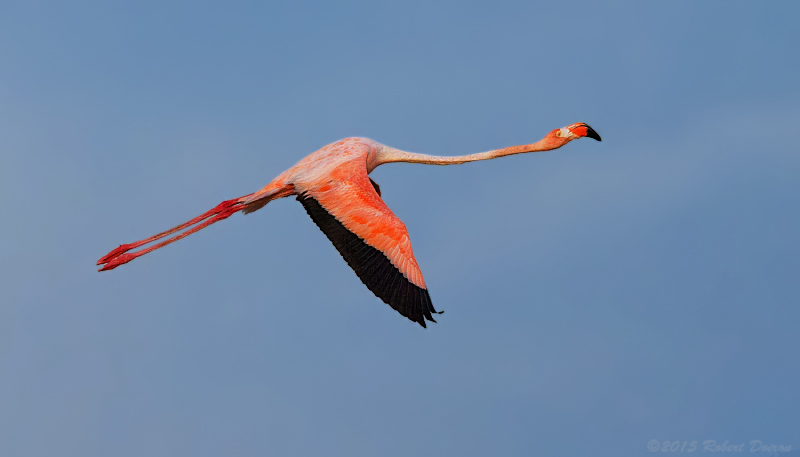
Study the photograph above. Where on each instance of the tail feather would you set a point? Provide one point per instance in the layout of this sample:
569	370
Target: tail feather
255	206
271	191
120	255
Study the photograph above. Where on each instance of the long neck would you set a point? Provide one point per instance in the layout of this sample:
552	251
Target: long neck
388	155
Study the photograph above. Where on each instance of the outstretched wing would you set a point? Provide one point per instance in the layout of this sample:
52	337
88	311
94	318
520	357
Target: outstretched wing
372	240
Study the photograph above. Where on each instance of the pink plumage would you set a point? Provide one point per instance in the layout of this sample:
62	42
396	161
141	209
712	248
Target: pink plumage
334	187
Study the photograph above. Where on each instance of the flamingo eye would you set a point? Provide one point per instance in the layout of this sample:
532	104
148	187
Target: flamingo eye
563	133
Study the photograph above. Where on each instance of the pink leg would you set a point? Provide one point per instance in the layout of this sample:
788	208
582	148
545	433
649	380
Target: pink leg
120	255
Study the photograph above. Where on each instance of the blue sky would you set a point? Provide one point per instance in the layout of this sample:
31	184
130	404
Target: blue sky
597	297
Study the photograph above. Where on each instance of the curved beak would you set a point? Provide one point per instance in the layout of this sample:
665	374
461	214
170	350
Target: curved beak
583	129
590	133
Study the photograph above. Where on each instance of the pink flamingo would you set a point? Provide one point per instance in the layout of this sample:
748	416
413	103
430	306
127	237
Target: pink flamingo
334	186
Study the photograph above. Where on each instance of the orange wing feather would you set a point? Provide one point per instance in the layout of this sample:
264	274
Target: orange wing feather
352	200
370	238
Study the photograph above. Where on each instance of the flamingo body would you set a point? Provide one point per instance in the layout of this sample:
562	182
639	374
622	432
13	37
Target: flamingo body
336	177
334	187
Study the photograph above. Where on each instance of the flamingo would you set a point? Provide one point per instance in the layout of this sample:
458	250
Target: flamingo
334	187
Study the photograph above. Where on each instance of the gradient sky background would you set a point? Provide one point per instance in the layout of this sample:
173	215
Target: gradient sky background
597	297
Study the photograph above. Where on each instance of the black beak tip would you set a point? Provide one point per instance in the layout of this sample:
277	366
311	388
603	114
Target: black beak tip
590	133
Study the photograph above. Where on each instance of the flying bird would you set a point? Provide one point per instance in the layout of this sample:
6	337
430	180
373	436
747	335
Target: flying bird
334	187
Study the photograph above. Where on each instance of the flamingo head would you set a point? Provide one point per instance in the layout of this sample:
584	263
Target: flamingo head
572	132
